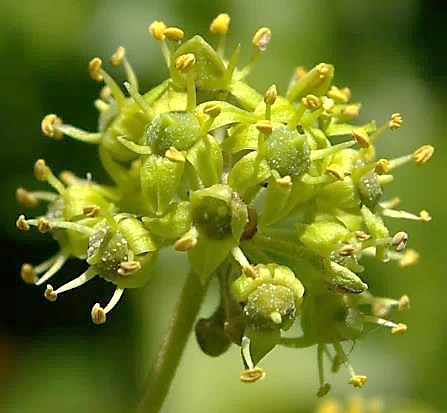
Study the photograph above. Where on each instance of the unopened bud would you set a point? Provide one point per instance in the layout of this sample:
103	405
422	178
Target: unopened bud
271	95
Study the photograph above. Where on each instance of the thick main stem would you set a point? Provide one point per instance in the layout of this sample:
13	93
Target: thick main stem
159	380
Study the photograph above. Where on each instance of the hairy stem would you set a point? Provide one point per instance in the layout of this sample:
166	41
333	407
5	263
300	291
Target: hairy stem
157	384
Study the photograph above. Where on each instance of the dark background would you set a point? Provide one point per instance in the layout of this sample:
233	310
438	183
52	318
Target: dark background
393	56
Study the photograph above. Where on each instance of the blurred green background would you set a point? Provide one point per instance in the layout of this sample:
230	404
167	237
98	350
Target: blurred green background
393	56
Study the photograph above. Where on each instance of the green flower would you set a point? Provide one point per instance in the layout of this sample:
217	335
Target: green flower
279	197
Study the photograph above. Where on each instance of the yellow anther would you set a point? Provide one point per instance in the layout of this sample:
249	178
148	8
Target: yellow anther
404	303
284	181
399	329
252	375
26	198
275	316
185	243
425	216
94	69
105	93
129	267
361	137
339	95
22	224
423	154
50	294
347	92
117	58
362	236
409	258
28	274
91	210
98	314
347	250
175	34
185	62
212	109
382	166
41	170
157	30
400	240
49	126
335	171
311	101
220	24
328	104
351	111
261	39
396	121
43	225
270	95
299	72
264	126
68	177
174	155
358	380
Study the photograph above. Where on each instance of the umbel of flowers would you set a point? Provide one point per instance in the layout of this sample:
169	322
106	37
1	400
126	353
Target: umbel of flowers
279	196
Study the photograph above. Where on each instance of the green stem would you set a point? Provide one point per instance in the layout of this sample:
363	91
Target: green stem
159	379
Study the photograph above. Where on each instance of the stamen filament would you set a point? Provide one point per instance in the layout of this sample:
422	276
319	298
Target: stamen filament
78	281
56	265
114	300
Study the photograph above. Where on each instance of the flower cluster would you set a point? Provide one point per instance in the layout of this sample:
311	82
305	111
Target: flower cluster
279	197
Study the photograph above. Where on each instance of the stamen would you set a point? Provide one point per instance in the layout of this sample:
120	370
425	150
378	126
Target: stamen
117	58
269	99
423	154
261	39
26	198
184	63
49	294
187	241
22	223
174	34
44	225
264	126
28	273
56	264
396	121
339	95
43	173
99	74
347	250
323	153
285	181
99	314
134	147
245	351
324	387
382	166
129	267
311	102
404	303
175	155
138	99
361	137
410	257
335	171
105	94
396	329
390	203
356	379
247	268
50	126
220	26
252	375
362	236
77	282
157	29
423	216
400	240
91	210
